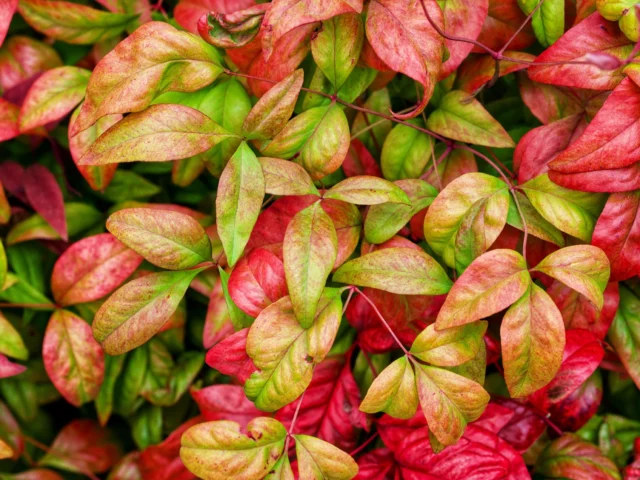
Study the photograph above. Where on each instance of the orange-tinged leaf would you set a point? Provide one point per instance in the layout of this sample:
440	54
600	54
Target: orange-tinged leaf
478	70
449	347
9	127
490	284
532	337
319	460
73	359
282	177
168	239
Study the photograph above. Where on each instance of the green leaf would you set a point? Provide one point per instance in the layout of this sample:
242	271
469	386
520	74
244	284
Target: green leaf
393	391
570	211
285	353
146	426
384	221
336	48
238	318
238	201
127	185
463	118
373	138
281	470
466	218
449	347
547	21
157	134
492	282
139	309
397	270
536	224
18	290
533	339
215	450
73	23
104	401
282	177
406	153
582	267
168	239
272	112
3	265
11	343
367	190
319	460
624	333
310	250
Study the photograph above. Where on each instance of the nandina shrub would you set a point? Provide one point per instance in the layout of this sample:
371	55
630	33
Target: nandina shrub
385	240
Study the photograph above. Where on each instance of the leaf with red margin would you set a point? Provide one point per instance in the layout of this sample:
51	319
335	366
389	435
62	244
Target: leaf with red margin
575	410
404	39
8	120
188	12
141	7
330	407
217	323
21	58
591	36
225	402
126	469
617	233
583	353
10	432
614	180
478	70
92	268
359	161
45	196
503	21
230	356
10	369
73	359
82	446
7	9
514	422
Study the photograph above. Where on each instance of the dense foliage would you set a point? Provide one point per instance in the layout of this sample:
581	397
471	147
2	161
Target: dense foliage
319	239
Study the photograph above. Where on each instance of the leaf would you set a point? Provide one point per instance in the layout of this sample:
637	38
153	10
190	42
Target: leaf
572	212
225	402
238	201
478	70
405	153
230	356
129	77
317	139
282	177
73	359
393	391
269	116
491	283
104	401
285	353
168	239
92	268
10	434
9	127
238	318
7	9
52	96
3	265
591	36
157	134
188	12
581	267
11	343
449	401
220	450
139	309
310	249
466	217
449	347
532	335
417	48
318	459
547	21
624	333
536	224
10	369
367	190
234	29
396	270
44	195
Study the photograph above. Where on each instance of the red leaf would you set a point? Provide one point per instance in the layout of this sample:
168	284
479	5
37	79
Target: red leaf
504	19
514	422
217	323
477	70
574	411
22	58
10	369
230	356
44	195
11	177
611	180
359	161
378	464
8	120
188	12
7	9
225	402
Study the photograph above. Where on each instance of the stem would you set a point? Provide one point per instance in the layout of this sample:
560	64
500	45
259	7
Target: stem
525	229
506	45
444	155
435	167
546	419
364	445
372	134
502	165
293	422
486	159
346	304
371	365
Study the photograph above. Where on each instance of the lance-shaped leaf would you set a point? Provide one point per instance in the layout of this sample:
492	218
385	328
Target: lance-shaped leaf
417	48
11	343
129	77
490	284
73	359
310	250
282	177
572	212
406	152
7	9
397	270
231	30
467	217
449	401
269	116
393	391
168	239
285	353
157	134
624	333
92	268
3	265
319	460
547	21
336	48
238	201
139	309
532	336
367	190
478	70
44	195
214	450
317	139
281	470
536	224
582	267
449	347
53	95
466	120
104	401
73	23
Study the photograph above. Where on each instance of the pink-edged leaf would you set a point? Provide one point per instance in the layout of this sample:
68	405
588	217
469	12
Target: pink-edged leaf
516	423
141	7
359	161
612	180
217	323
45	196
225	402
73	359
574	411
7	9
92	268
10	433
22	58
9	368
502	23
230	356
549	103
188	12
478	70
8	120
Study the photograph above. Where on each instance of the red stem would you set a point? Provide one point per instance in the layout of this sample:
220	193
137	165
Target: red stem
364	445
